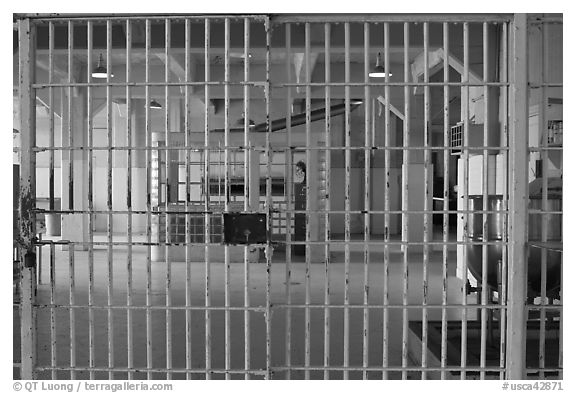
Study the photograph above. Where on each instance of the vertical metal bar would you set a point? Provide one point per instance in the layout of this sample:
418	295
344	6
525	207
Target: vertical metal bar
445	186
227	193
387	143
289	204
328	141
129	294
69	113
269	249
187	206
405	215
516	327
51	124
427	199
246	195
543	127
484	287
91	218
465	158
51	186
110	228
149	357
27	101
367	179
503	295
307	331
72	300
347	160
206	167
53	347
167	200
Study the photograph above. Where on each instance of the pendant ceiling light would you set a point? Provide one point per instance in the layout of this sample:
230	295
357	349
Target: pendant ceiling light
378	71
155	104
100	72
240	123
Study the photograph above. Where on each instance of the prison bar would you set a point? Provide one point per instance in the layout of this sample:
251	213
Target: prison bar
367	177
347	162
109	228
504	127
227	336
268	248
149	357
53	355
465	157
484	269
543	127
405	188
205	173
262	84
167	197
289	205
69	117
188	252
247	199
281	305
445	186
427	229
308	284
387	229
280	149
51	123
129	260
327	205
72	301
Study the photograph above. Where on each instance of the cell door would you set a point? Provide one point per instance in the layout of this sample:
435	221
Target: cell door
233	197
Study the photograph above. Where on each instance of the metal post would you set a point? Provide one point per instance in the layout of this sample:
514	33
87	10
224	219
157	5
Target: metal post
516	330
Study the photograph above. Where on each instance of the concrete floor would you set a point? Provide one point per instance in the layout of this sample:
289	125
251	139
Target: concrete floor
257	297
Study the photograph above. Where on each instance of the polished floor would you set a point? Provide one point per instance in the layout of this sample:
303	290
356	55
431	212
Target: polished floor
195	344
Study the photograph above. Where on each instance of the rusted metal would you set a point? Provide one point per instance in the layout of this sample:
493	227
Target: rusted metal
27	194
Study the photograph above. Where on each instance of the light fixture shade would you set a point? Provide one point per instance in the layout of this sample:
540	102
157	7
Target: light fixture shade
155	104
378	71
240	122
100	72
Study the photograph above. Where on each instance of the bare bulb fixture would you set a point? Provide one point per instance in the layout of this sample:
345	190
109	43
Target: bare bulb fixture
378	71
155	104
100	72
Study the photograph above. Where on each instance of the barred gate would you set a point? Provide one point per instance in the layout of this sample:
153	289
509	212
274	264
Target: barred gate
318	196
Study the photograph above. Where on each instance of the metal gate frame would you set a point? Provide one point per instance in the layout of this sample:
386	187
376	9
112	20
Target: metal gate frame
518	191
